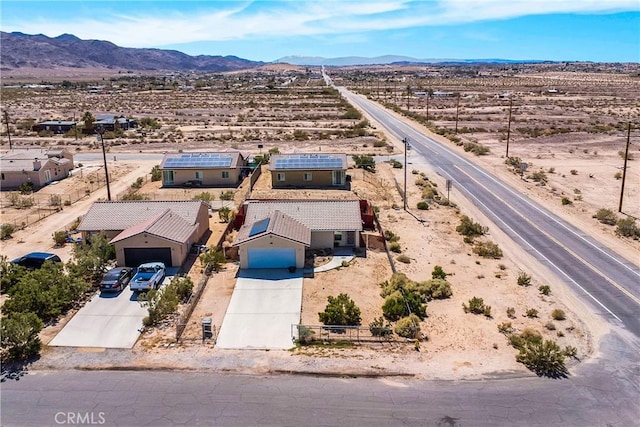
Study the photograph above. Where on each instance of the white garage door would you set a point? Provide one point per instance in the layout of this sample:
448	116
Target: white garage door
272	258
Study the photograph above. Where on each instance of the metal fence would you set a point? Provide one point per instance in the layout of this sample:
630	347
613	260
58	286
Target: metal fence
183	318
310	334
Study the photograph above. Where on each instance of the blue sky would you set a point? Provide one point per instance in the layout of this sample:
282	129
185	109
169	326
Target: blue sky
571	30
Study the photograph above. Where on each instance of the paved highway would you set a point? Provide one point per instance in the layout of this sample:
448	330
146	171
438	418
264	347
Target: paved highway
610	283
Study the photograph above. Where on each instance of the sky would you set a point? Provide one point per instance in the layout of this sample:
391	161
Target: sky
267	30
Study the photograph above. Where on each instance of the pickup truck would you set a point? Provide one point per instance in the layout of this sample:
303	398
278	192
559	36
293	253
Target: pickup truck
148	276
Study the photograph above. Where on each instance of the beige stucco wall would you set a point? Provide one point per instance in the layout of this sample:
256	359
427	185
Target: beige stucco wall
179	251
321	239
211	177
13	179
202	222
271	241
295	178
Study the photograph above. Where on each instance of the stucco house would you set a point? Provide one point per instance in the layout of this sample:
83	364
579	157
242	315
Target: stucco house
145	231
308	170
276	233
39	167
224	169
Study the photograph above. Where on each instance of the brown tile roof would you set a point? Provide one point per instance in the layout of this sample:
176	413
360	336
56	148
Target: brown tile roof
317	215
167	225
125	214
280	225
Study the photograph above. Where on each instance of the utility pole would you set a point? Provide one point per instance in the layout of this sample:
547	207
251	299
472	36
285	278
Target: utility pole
457	112
406	146
427	104
509	124
6	119
624	168
100	131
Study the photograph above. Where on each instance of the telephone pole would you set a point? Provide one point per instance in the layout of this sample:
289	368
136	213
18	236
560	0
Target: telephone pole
624	168
6	119
457	112
100	131
406	146
509	125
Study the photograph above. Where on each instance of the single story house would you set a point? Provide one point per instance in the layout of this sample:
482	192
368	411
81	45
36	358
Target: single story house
144	231
276	233
224	169
56	126
308	170
108	122
39	167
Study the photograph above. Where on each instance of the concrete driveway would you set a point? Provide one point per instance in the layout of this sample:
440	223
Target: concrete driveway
264	305
109	320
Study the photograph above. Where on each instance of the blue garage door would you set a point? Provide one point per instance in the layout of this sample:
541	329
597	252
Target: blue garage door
272	258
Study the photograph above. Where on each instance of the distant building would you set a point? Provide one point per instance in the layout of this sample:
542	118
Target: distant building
39	167
108	122
223	169
56	126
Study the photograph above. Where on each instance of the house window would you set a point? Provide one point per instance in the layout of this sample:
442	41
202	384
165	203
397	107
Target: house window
307	176
225	174
280	177
167	177
3	177
200	175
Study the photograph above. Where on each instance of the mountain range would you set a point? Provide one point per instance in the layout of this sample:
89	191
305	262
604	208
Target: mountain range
68	51
38	51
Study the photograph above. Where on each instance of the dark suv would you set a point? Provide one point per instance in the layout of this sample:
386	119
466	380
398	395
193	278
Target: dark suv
34	260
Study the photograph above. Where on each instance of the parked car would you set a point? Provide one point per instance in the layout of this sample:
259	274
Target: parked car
35	260
116	279
148	276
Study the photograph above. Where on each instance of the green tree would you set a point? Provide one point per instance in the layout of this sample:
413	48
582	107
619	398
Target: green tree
156	173
60	237
225	214
160	303
213	259
408	327
364	162
88	120
20	339
397	306
90	260
10	274
340	310
6	230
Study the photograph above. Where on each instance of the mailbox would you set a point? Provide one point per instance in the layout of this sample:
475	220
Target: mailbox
207	332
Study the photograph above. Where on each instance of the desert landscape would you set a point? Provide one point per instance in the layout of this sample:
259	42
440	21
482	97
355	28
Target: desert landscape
569	126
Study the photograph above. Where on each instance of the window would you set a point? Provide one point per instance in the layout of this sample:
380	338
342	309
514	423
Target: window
167	177
200	175
3	177
225	174
280	177
307	176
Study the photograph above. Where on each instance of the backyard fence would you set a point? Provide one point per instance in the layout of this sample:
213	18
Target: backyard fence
309	334
183	318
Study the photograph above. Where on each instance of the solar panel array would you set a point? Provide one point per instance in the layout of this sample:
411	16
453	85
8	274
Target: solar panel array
259	227
309	161
201	160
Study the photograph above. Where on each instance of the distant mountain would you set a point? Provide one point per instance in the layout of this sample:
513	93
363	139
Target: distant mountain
39	51
389	59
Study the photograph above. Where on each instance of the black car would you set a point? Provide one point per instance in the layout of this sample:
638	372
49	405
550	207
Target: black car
116	279
35	260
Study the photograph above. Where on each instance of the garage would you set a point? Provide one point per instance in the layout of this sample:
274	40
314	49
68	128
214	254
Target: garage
133	257
272	257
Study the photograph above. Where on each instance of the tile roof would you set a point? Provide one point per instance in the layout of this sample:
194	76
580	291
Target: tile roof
202	160
122	215
280	225
318	215
167	225
309	161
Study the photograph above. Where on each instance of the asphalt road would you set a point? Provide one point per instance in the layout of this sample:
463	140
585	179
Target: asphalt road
607	281
603	393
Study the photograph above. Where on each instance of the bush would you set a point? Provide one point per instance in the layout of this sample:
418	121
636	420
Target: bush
395	247
156	173
91	259
477	149
227	195
511	312
532	312
627	227
403	259
364	162
438	273
488	250
20	339
540	177
514	162
60	238
477	306
390	236
505	328
558	314
161	303
566	201
395	164
205	196
397	306
544	358
574	172
423	206
606	216
408	327
26	188
184	287
6	230
435	289
379	328
213	259
469	228
544	289
224	213
523	279
428	290
340	310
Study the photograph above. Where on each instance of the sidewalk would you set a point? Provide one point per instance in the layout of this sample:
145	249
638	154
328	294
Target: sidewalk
340	255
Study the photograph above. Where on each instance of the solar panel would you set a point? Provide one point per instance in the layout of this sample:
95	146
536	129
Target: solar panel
309	161
203	160
259	227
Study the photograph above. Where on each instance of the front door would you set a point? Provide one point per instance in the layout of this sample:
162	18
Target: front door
338	177
47	176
